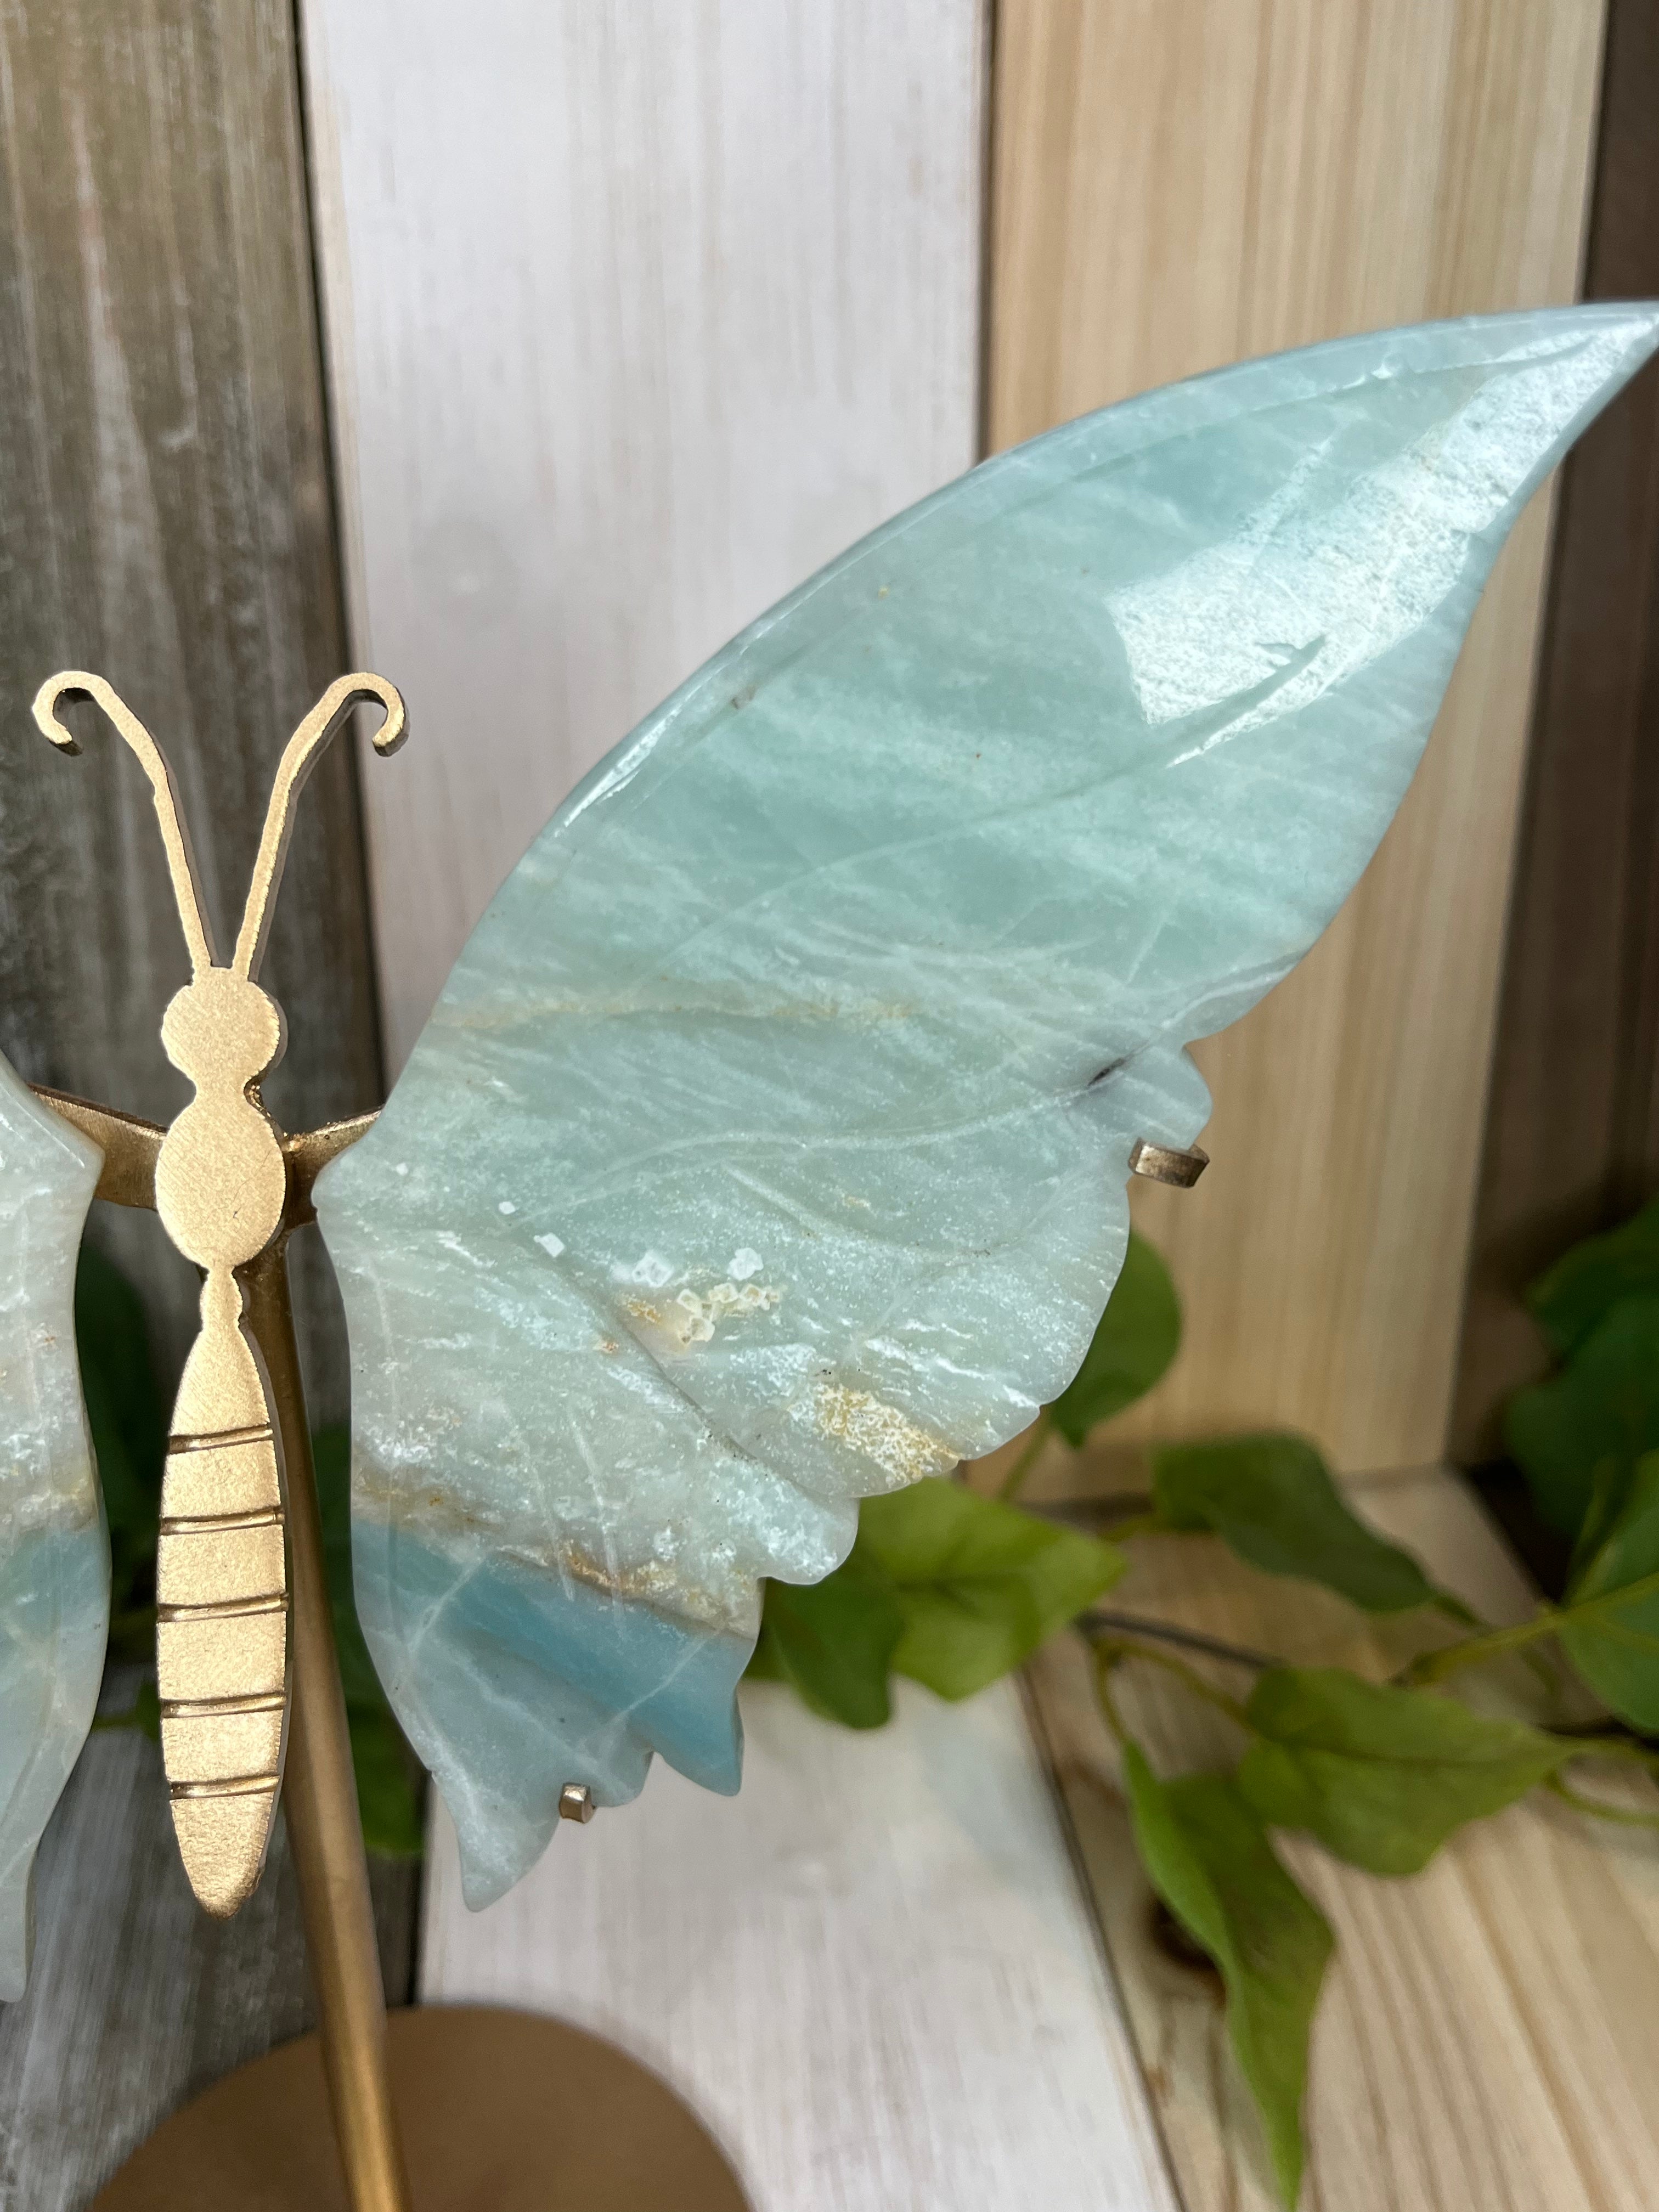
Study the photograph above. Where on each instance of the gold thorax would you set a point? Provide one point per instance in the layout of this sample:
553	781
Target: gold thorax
222	1189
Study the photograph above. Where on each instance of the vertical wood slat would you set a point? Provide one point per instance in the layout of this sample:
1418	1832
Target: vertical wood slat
635	316
872	1974
1572	1138
1178	184
165	519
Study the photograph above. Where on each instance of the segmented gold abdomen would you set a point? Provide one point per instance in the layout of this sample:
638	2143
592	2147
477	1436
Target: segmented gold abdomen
222	1611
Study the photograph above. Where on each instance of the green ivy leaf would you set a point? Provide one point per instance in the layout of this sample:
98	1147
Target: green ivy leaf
388	1801
1209	1859
1382	1775
1581	1289
981	1584
1136	1341
834	1641
1271	1500
128	1426
144	1713
1616	1647
1578	1436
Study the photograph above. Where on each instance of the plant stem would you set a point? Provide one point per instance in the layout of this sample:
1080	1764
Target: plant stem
1105	1659
1580	1803
1120	1648
1165	1631
1137	1524
1588	1746
1452	1658
1014	1481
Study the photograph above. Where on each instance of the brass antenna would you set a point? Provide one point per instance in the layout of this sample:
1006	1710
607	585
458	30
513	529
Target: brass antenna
78	683
303	751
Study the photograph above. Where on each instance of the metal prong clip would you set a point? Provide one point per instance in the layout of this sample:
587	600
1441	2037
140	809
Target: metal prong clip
1163	1163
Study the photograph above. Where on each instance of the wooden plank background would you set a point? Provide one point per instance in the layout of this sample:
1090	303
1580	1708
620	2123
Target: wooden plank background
632	317
1488	2037
1179	182
165	519
1572	1138
635	316
873	1974
869	1975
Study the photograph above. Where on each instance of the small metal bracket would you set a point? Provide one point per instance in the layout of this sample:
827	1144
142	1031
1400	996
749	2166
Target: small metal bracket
576	1802
1163	1163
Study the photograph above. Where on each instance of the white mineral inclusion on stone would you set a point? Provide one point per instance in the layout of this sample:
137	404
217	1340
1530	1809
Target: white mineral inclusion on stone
654	1271
54	1556
872	952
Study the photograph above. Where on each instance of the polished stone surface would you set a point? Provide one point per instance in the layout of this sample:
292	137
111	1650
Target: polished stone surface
767	1145
54	1556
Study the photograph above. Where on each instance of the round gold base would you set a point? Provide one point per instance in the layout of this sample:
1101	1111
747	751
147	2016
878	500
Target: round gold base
500	2112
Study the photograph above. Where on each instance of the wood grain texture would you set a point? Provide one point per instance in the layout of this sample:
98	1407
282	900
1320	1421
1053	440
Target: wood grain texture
873	1974
138	1999
165	519
1488	2040
1572	1138
636	316
1176	184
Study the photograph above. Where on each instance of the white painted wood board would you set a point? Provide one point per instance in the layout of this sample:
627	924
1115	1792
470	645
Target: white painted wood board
873	1974
635	315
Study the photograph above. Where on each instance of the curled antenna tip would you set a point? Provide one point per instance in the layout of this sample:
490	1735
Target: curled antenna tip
68	683
299	757
395	728
80	684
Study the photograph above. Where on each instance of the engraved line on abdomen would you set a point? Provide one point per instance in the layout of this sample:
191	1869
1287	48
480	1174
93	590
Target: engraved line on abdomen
221	1440
241	1785
190	1708
257	1516
224	1609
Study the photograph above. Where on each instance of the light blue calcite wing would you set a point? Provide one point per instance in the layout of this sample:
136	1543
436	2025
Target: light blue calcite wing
54	1555
767	1145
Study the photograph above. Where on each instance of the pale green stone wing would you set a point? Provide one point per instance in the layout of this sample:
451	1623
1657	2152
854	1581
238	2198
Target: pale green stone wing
767	1145
54	1556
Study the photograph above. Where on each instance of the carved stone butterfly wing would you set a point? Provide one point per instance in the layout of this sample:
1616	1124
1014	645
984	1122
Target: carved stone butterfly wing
54	1552
767	1146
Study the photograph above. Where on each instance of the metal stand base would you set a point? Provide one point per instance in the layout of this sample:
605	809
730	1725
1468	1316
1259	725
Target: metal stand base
498	2111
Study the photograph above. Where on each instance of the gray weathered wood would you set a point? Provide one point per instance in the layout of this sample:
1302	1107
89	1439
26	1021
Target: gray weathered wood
138	1999
166	519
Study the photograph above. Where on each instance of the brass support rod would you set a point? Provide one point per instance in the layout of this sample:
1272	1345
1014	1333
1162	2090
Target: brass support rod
319	1794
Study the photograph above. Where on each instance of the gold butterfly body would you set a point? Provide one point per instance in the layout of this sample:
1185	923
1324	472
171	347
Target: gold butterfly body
221	1177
